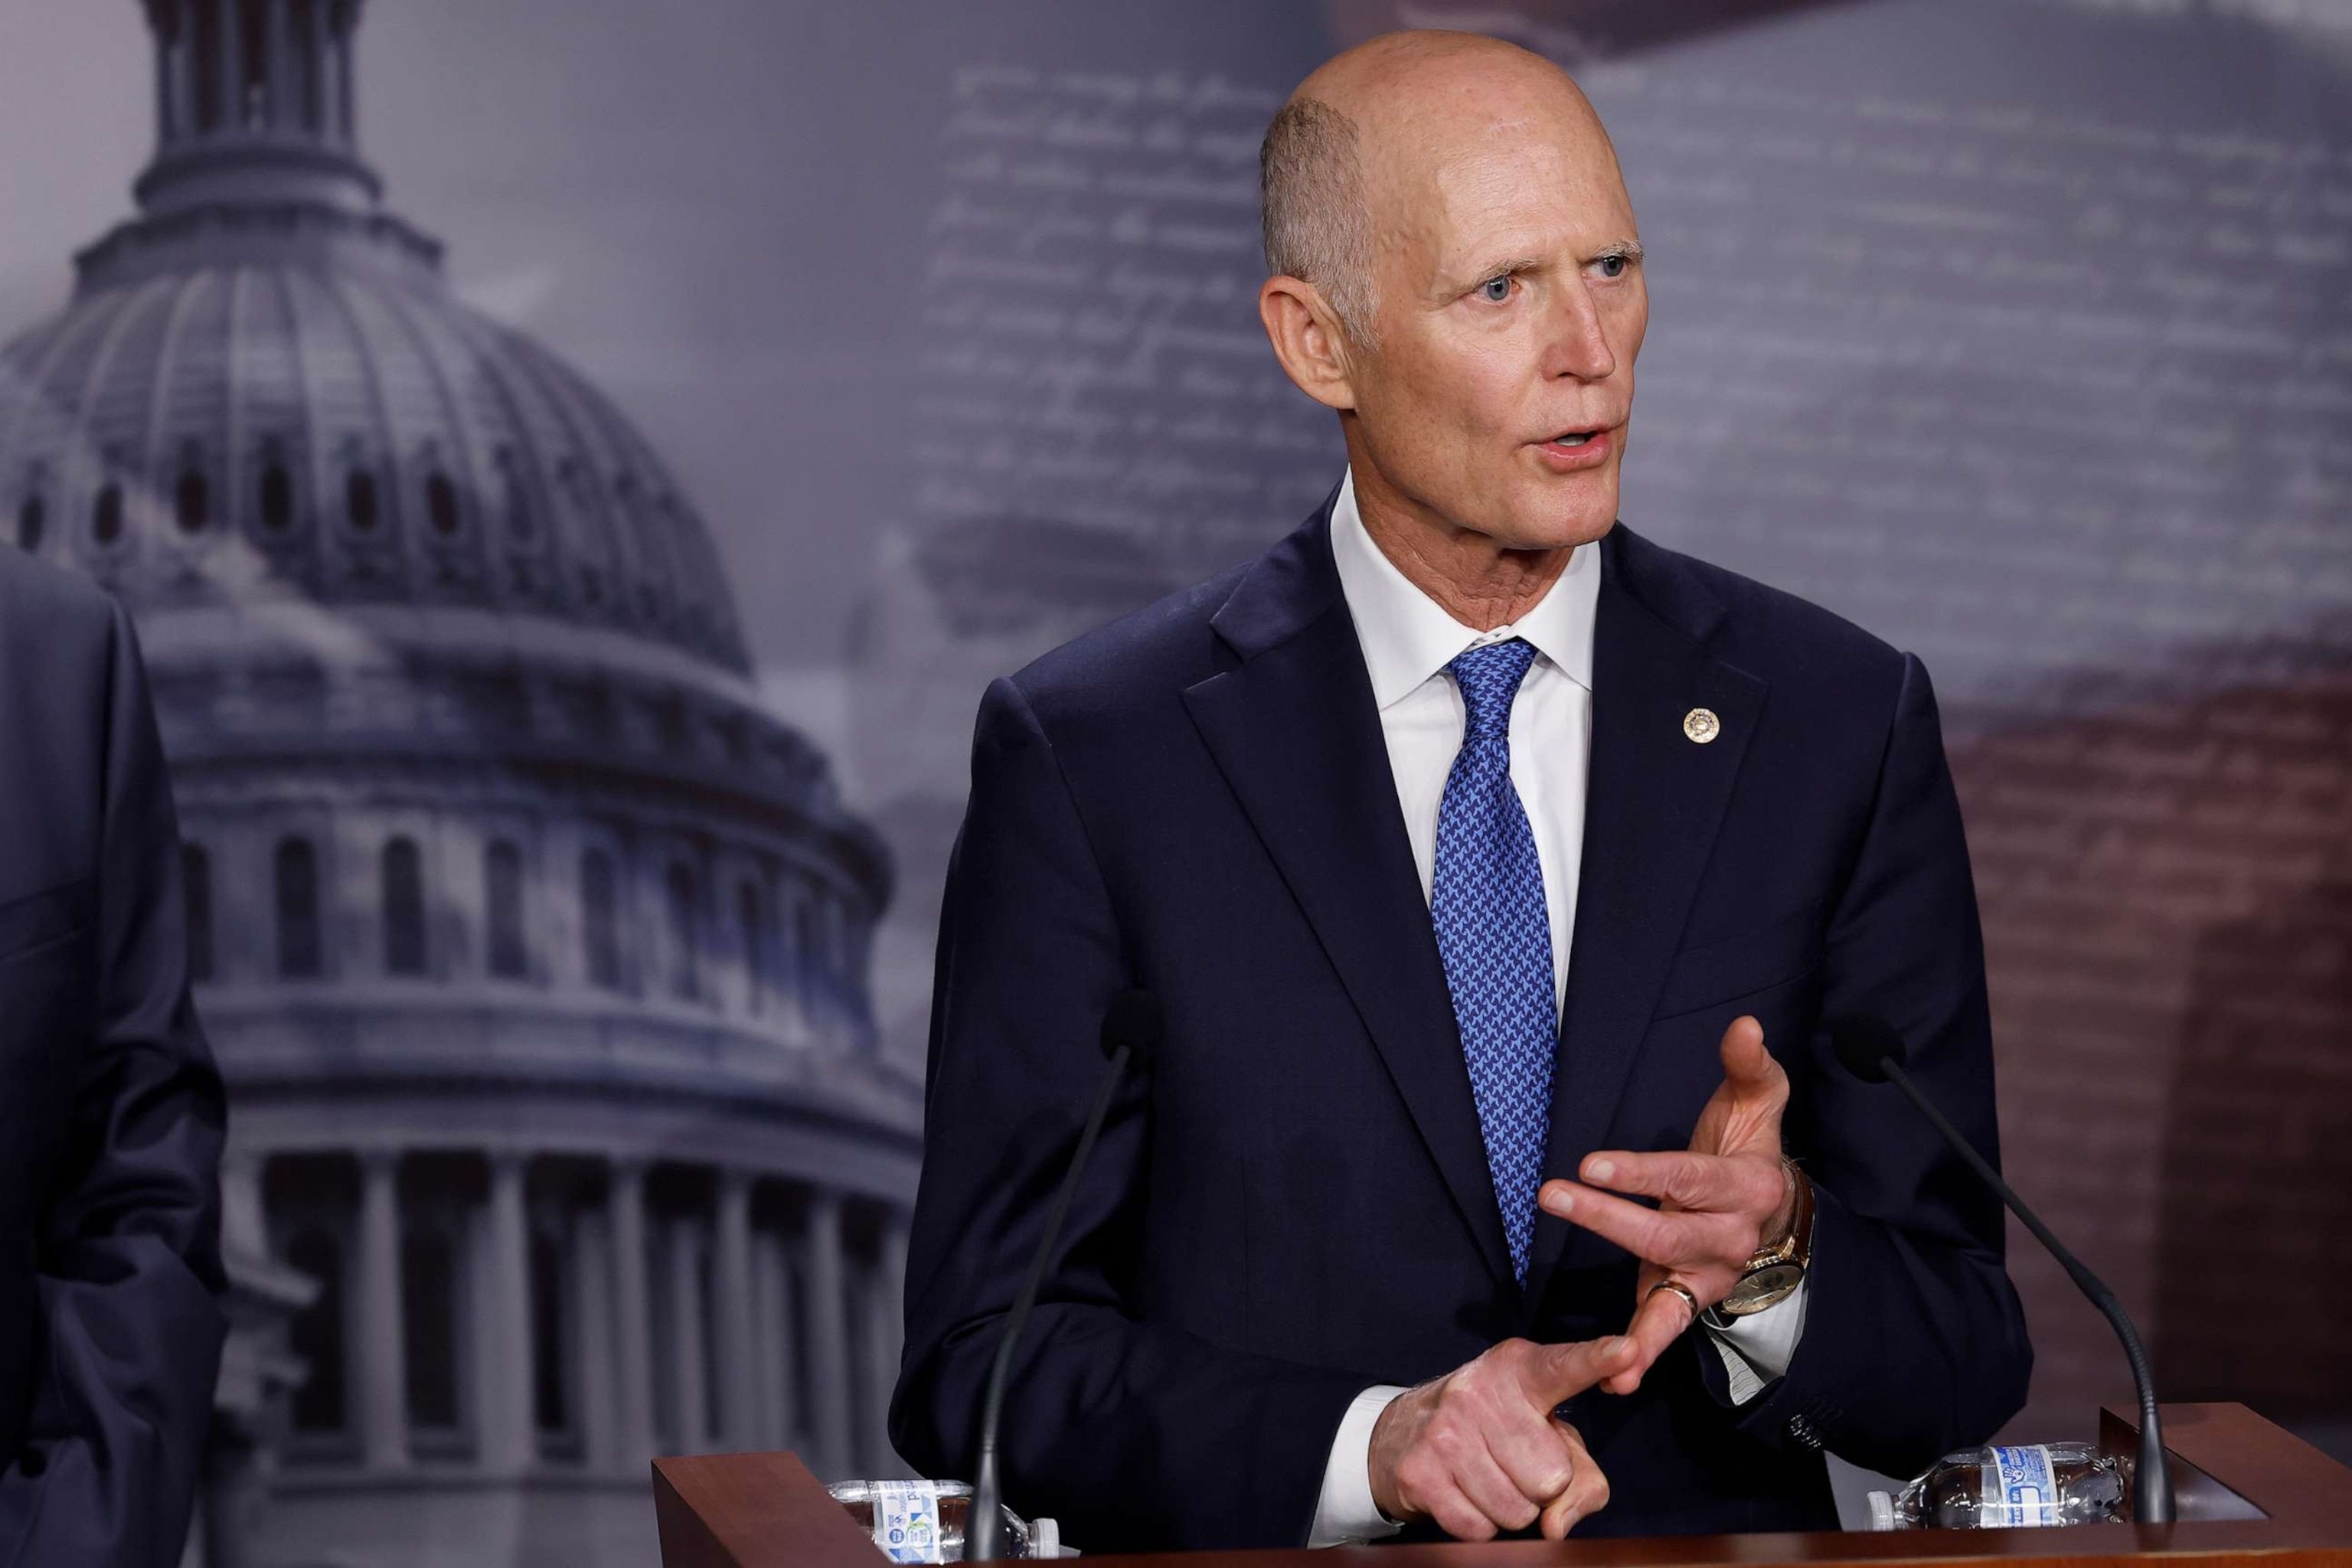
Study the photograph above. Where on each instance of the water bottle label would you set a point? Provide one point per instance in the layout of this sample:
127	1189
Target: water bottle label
906	1521
2021	1488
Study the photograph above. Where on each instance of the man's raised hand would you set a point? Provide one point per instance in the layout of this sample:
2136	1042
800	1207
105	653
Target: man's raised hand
1716	1201
1479	1450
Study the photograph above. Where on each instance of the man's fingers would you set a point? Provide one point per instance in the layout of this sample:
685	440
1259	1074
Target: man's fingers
1477	1450
1668	1237
1686	1180
1586	1494
1455	1514
1662	1318
1493	1492
1540	1467
1564	1371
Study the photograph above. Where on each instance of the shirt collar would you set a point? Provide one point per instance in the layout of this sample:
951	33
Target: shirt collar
1408	636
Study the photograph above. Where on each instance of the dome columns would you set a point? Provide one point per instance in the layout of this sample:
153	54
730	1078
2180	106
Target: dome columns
687	1351
176	77
277	66
886	1302
503	1375
632	1317
382	1351
776	1331
593	1290
828	1332
591	1310
332	52
731	1277
254	76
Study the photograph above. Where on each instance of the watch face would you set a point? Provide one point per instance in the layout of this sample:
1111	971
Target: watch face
1762	1288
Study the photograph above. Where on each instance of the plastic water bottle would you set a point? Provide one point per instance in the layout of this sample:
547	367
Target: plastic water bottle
923	1521
2003	1488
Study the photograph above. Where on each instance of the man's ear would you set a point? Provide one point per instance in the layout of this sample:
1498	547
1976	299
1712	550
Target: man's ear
1315	354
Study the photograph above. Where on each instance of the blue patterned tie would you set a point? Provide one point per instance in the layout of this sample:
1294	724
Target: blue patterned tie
1486	901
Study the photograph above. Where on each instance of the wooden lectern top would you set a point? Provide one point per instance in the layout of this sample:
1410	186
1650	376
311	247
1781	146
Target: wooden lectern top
766	1510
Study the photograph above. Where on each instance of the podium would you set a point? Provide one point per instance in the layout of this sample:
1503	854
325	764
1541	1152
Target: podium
2249	1493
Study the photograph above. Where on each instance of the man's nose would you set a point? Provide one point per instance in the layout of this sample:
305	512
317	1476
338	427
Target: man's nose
1577	342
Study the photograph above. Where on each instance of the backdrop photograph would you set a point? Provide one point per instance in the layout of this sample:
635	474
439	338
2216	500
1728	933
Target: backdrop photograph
575	466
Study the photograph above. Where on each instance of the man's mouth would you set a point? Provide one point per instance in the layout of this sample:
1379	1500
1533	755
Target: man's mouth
1574	450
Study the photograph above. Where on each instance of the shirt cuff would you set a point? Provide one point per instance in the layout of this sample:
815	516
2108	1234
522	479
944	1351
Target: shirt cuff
1347	1511
1758	1348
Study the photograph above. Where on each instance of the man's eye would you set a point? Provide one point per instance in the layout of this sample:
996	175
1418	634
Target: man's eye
1613	266
1495	289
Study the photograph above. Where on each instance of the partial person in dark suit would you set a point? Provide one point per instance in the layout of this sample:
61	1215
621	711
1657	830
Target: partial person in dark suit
110	1122
1496	868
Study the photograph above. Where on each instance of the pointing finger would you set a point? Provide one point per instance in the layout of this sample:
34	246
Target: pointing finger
1661	1320
1688	1181
1668	1237
1563	1370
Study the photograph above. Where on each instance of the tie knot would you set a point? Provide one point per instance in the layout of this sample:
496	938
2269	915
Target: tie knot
1489	678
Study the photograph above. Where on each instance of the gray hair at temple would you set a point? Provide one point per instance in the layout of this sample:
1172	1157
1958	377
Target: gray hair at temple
1317	225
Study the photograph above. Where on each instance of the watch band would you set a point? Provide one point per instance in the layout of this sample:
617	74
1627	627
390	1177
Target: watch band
1776	1269
1795	1242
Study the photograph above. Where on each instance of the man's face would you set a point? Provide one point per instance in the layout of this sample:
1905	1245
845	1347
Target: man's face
1511	306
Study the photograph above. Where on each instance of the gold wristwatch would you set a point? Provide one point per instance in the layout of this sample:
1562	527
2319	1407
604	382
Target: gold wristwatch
1776	1269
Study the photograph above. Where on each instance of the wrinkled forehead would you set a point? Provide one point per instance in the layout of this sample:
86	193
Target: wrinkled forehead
1446	189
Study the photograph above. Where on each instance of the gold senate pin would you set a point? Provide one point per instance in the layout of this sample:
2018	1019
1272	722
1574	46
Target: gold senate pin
1701	725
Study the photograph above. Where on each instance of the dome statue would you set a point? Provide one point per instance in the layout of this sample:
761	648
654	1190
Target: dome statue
532	944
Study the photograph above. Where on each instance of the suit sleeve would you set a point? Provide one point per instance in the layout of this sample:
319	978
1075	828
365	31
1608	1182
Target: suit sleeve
1914	1342
1131	1433
129	1271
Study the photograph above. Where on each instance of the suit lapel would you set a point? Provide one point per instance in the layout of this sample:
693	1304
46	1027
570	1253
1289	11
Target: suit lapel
1653	798
1294	728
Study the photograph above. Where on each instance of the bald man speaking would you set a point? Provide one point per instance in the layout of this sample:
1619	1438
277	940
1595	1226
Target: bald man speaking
1495	869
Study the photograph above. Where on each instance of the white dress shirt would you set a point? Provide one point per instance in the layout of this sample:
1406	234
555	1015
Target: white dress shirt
1408	639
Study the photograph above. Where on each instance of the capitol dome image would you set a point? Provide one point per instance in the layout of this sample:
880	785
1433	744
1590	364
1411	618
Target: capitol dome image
532	945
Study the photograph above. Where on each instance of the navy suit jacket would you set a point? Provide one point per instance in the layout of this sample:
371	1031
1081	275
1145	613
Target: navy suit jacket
110	1118
1296	1204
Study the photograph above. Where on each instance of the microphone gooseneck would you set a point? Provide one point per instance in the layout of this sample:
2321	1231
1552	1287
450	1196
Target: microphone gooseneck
1872	1051
1131	1031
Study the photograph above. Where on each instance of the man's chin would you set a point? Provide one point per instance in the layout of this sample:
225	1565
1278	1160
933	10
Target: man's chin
1551	528
1557	510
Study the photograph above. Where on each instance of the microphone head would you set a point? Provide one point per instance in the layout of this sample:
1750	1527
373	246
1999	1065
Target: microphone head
1135	1020
1865	1043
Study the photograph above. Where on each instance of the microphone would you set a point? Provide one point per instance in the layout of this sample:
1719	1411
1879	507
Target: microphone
1131	1030
1873	1052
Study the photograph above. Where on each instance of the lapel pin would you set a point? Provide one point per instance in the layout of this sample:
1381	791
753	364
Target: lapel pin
1701	725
